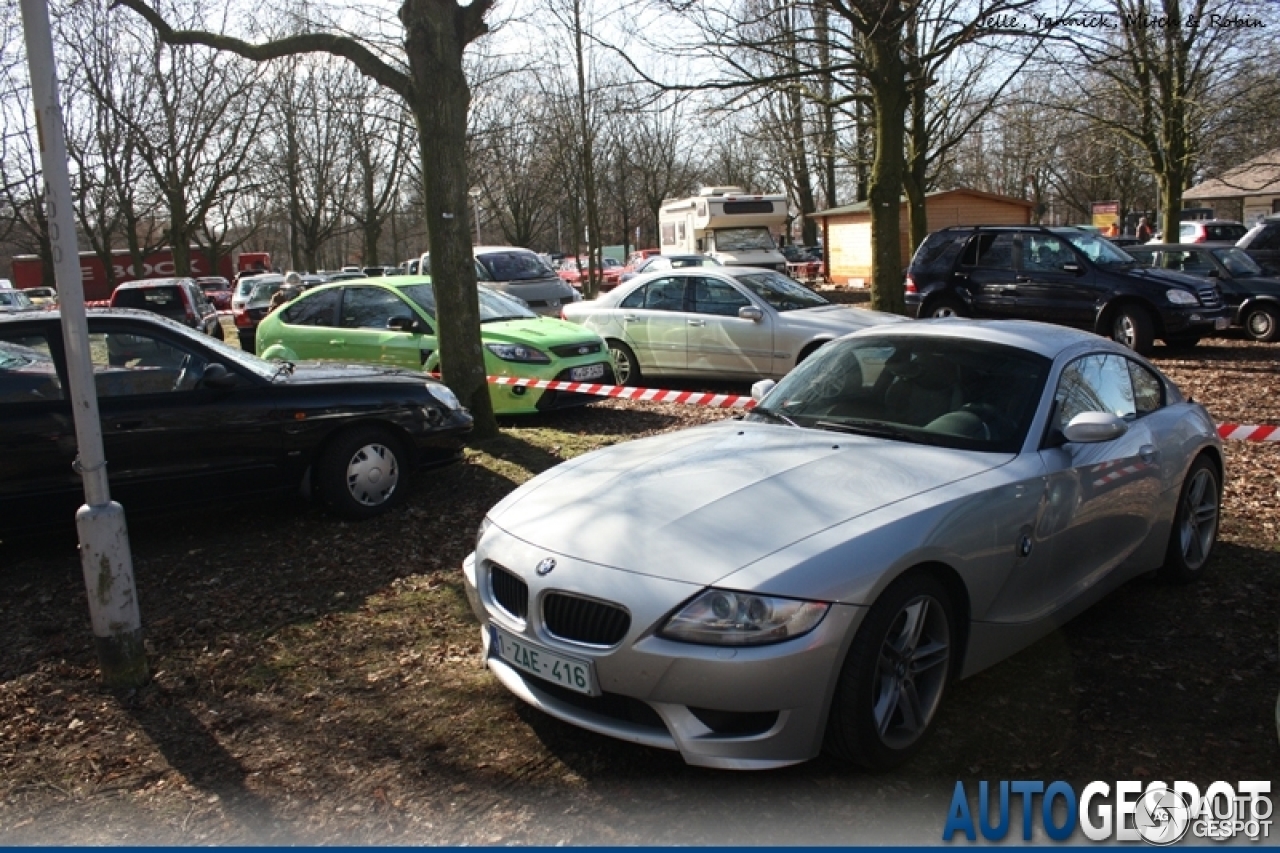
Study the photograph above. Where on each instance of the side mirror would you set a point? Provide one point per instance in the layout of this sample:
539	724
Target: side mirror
404	324
761	389
217	376
1093	427
751	312
1212	273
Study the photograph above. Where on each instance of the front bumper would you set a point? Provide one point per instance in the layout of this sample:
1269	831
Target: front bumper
731	708
1197	322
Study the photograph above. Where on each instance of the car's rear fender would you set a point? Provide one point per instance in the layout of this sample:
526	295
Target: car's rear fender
279	352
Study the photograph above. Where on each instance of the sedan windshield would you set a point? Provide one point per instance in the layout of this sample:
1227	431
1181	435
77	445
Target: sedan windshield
494	306
1100	250
1237	262
514	266
945	391
782	293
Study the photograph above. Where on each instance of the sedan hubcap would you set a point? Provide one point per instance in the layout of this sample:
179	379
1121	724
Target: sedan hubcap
1199	518
372	474
911	672
621	366
945	311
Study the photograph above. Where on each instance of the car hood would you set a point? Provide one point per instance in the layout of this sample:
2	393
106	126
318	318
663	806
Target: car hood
542	332
697	505
314	372
1168	277
840	319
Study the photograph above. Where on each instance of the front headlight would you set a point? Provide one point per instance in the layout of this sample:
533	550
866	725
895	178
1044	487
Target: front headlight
1181	297
721	617
484	525
445	396
518	352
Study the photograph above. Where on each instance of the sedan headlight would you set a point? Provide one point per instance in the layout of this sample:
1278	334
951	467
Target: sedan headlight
518	352
720	617
484	525
445	396
1181	297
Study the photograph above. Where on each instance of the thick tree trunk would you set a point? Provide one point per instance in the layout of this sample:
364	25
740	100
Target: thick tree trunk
439	99
890	98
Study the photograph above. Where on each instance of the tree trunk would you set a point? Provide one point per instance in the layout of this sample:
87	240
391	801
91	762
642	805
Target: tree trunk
439	99
889	97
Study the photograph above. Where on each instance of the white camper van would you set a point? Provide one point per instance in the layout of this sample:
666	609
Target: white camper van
734	227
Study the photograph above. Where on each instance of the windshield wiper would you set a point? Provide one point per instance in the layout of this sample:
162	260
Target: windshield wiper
773	415
877	429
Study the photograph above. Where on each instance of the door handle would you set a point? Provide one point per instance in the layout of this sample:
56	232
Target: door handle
125	425
697	322
628	318
1148	454
1021	278
337	343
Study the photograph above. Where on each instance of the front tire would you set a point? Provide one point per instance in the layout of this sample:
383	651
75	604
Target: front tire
363	473
895	674
1195	524
1131	326
626	369
1262	323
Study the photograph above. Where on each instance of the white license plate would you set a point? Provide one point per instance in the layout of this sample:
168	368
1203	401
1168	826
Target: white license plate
582	374
569	673
1221	323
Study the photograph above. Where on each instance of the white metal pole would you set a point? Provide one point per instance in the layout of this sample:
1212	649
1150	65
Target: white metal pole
104	539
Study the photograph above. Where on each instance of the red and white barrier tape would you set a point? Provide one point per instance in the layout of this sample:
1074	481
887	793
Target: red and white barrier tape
622	392
1236	432
1249	433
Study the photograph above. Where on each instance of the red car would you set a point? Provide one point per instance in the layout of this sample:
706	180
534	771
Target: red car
217	290
573	270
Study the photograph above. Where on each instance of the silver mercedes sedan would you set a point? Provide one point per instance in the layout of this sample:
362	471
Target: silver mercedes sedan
731	323
910	505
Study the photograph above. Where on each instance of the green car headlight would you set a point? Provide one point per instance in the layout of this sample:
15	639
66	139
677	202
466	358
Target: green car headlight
518	352
721	617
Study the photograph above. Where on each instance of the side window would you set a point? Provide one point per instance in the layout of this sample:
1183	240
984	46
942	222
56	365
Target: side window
635	299
371	308
27	371
665	294
1095	383
1045	253
1148	390
129	364
991	251
711	296
1267	238
318	309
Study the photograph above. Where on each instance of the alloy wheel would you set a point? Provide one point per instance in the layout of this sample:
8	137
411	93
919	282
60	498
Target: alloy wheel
1199	522
911	671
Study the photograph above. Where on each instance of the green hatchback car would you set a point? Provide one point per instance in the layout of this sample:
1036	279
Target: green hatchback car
393	322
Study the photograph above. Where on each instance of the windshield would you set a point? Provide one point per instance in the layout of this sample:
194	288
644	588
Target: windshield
245	286
493	305
1239	264
14	299
782	293
1101	251
262	293
515	266
743	239
944	391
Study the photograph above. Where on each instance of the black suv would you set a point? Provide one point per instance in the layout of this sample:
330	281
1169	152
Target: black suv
1262	243
1066	276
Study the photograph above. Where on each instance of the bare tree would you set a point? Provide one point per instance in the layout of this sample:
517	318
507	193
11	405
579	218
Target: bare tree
431	80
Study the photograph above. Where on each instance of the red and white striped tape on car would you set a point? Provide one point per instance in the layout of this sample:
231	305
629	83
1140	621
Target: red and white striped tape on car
1236	432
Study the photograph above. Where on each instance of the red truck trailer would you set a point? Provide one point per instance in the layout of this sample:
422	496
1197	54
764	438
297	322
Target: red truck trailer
28	269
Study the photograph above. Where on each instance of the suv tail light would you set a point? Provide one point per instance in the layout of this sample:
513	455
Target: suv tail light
910	286
241	317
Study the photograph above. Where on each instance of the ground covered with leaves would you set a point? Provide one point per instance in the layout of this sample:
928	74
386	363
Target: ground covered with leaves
319	682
